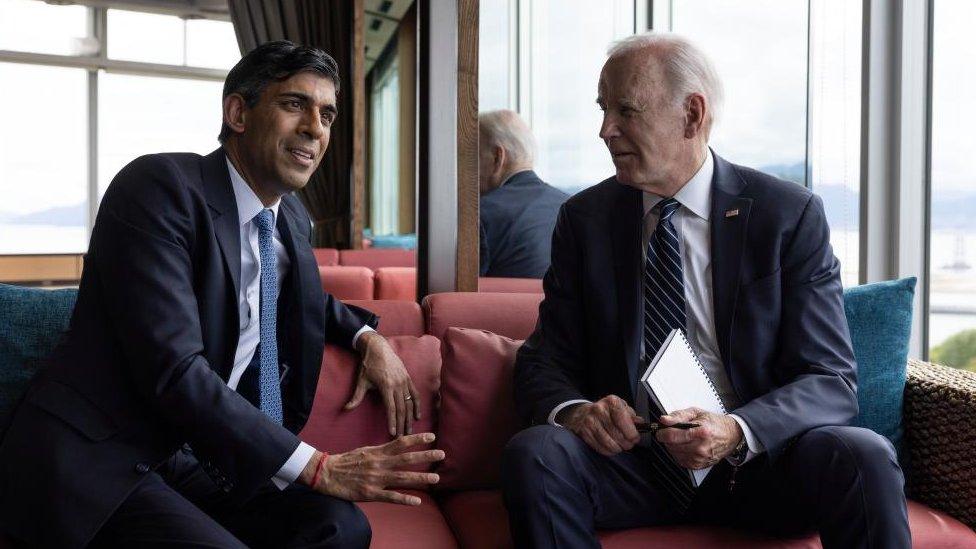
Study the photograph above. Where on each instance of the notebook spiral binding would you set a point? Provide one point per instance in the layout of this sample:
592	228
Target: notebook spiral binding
708	378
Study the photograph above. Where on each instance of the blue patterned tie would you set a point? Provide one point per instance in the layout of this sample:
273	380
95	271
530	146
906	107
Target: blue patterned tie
270	390
664	310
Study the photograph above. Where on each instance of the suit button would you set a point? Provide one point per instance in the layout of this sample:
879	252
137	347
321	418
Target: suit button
142	468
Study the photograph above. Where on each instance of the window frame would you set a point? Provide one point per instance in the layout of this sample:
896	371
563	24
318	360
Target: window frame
93	64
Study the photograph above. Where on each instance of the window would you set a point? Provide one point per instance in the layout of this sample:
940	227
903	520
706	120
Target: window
384	154
495	41
148	83
952	237
792	97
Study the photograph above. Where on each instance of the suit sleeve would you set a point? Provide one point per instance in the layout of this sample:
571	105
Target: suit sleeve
548	367
484	249
142	249
815	354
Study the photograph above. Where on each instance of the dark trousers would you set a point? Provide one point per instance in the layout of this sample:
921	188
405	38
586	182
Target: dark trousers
178	505
843	482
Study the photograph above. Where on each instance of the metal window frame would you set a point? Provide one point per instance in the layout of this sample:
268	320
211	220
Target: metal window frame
98	29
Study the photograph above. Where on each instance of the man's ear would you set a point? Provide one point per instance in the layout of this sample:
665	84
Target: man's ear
499	157
695	111
235	112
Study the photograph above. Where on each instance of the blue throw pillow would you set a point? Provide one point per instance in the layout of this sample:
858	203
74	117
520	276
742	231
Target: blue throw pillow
880	319
32	322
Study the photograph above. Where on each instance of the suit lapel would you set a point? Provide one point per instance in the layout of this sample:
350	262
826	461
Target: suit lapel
729	221
227	228
625	220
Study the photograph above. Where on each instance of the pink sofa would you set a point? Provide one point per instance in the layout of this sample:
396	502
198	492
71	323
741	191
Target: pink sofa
374	258
346	282
463	372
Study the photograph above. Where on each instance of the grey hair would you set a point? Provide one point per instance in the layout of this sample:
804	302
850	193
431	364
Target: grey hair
507	130
686	66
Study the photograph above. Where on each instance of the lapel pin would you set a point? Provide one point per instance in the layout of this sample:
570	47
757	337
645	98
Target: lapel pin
732	213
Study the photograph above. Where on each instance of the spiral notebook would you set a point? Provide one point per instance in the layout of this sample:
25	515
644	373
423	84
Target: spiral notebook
675	379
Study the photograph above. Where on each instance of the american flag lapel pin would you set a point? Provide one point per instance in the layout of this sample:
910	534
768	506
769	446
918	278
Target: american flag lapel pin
732	213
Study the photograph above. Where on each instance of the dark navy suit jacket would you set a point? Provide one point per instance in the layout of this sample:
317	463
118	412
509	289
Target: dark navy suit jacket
778	306
143	367
516	226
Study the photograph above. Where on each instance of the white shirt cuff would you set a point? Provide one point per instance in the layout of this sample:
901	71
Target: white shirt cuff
294	466
361	331
555	411
752	443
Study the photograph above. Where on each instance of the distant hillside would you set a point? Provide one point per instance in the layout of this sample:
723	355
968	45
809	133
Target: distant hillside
62	216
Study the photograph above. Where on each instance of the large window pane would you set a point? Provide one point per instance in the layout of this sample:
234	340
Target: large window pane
835	104
952	260
495	71
34	26
569	41
759	48
43	160
141	115
147	37
384	152
211	44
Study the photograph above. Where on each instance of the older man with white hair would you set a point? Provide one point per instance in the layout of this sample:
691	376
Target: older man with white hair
741	263
518	209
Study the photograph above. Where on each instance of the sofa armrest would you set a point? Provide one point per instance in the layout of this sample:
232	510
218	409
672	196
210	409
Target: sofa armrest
940	428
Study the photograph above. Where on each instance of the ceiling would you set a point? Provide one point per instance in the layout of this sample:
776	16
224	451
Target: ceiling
382	21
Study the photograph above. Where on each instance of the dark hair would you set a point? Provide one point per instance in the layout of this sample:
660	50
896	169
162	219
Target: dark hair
274	62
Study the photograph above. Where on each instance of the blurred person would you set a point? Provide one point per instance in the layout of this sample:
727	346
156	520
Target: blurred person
169	414
741	262
518	210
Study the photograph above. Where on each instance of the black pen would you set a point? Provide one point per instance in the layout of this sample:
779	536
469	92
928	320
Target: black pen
653	426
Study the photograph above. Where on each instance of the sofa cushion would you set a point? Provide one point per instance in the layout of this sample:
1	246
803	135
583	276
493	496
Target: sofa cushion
510	315
396	283
479	520
347	282
408	527
333	429
477	413
376	258
510	285
32	322
879	316
396	317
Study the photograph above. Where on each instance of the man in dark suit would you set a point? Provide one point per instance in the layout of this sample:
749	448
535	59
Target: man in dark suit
168	415
518	210
741	262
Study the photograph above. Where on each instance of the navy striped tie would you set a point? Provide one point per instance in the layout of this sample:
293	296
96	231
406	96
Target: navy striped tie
664	310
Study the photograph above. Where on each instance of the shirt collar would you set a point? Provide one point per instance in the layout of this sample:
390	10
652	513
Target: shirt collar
248	203
696	194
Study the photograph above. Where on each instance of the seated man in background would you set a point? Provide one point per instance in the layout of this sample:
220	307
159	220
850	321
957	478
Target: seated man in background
168	414
741	262
518	210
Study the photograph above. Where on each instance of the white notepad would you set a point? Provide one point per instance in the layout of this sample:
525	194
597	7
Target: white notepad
675	379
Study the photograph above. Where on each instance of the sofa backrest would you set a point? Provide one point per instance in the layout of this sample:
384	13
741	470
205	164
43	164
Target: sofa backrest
326	257
396	283
374	258
346	282
397	317
510	285
510	315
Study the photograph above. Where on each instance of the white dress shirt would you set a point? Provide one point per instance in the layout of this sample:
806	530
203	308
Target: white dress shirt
249	305
692	224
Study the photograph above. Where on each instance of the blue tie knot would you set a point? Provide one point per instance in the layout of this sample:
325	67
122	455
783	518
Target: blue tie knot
668	207
265	220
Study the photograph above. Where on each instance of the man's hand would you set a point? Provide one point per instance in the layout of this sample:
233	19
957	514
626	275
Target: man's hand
381	368
606	425
703	446
365	474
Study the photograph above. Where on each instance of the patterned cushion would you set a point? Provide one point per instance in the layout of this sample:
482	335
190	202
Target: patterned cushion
880	319
32	322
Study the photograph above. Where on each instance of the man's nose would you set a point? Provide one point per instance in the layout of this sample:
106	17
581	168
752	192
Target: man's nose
609	128
313	126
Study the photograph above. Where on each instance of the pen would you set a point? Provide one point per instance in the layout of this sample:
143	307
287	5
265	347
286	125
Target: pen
653	426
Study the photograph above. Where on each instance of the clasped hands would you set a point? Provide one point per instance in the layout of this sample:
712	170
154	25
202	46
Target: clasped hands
608	426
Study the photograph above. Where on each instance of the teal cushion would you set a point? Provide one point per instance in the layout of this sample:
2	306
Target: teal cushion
880	319
32	322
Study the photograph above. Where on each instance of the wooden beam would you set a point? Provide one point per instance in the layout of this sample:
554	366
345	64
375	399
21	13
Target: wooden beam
407	140
467	147
358	88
